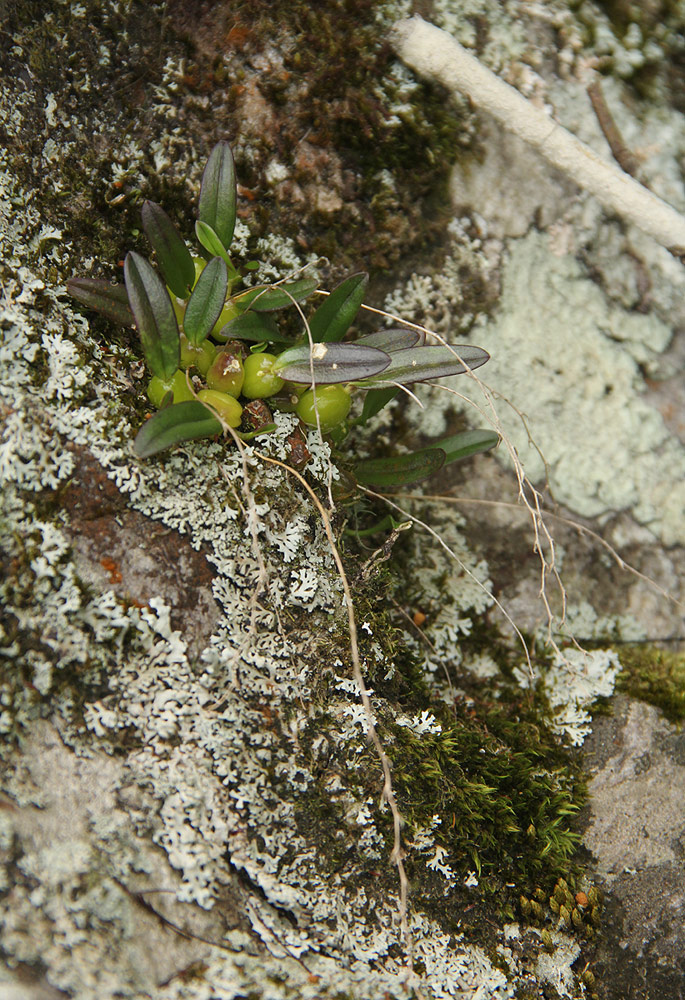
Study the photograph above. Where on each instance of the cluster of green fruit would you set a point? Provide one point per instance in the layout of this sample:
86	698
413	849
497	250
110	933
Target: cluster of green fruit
198	316
230	371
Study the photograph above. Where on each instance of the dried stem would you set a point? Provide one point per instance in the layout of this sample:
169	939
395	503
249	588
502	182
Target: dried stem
388	794
433	53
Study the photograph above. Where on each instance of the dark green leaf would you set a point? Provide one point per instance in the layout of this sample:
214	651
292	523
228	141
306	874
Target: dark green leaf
420	364
374	402
205	304
335	315
267	298
249	435
109	300
253	326
173	256
392	340
180	422
218	194
330	363
459	446
400	470
154	315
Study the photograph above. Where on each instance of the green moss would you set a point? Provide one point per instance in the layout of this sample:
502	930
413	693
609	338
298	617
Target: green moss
656	676
503	791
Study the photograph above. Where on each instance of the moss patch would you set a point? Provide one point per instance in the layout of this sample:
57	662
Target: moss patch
656	676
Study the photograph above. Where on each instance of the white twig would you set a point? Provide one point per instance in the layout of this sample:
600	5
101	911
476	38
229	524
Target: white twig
434	54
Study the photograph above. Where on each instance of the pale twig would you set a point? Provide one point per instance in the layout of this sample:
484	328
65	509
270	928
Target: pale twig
388	793
460	562
434	54
529	496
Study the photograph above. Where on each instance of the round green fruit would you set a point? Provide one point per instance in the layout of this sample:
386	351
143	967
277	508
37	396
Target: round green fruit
202	356
228	408
158	388
260	379
332	404
226	373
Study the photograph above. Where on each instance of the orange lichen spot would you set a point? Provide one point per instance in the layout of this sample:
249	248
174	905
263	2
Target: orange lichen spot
237	36
581	899
112	568
418	618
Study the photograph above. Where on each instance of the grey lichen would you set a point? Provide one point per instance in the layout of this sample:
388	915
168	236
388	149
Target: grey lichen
215	769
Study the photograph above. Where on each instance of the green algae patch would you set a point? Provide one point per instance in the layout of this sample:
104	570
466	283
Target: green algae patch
656	676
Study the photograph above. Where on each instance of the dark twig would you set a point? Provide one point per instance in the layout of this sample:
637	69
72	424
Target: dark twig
624	157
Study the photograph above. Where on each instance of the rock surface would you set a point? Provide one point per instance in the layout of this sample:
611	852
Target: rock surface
190	805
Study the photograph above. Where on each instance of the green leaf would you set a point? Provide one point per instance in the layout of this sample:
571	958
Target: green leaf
109	300
374	402
400	470
420	364
154	315
186	421
268	298
397	339
217	206
466	443
335	315
253	326
173	256
330	363
208	239
205	304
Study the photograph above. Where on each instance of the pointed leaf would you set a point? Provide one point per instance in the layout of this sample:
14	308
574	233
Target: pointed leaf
186	421
397	339
466	443
253	326
109	300
173	256
267	298
374	402
208	239
330	363
218	194
420	364
205	304
400	470
335	315
154	315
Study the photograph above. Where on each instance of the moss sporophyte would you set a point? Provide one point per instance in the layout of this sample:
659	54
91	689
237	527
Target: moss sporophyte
211	343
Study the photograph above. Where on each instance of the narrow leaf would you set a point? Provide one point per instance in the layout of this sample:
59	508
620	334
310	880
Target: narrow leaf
420	364
374	402
397	339
154	315
266	298
109	300
330	363
466	443
186	421
400	470
335	315
217	206
173	256
205	304
208	239
253	326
